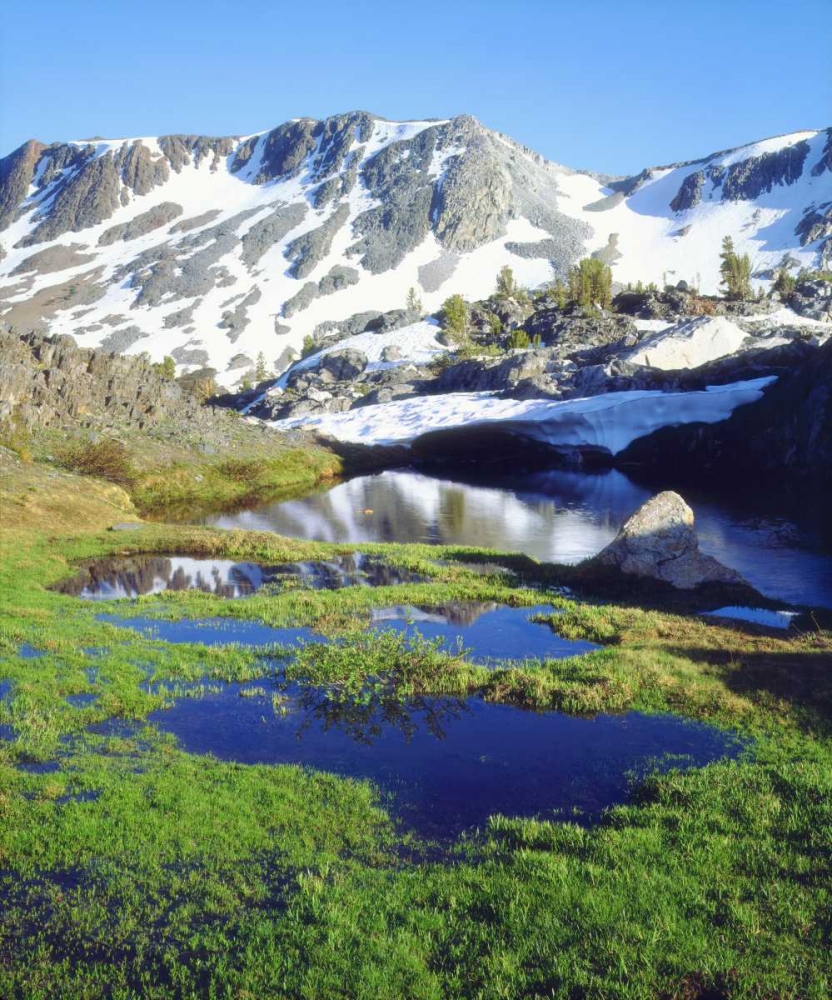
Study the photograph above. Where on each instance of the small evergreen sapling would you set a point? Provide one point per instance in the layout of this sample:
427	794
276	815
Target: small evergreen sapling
414	304
455	319
506	285
261	372
735	271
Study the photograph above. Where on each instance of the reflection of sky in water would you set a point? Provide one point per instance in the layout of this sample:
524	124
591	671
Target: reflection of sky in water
487	632
448	764
555	516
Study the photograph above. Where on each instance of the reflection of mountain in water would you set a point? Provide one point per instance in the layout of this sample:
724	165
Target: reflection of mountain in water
779	544
132	576
487	633
462	613
558	516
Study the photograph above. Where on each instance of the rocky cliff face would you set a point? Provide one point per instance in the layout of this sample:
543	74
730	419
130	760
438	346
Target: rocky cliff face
51	383
214	249
789	431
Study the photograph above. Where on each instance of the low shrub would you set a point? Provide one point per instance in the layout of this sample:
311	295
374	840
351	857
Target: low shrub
16	437
700	305
518	340
247	471
104	459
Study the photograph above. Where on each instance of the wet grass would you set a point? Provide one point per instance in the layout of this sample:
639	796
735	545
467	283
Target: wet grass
131	869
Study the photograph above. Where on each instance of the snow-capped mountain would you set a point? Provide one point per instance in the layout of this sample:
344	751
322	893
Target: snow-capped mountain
213	250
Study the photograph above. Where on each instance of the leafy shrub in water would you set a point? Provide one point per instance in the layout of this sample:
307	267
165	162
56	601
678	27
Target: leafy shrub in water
385	662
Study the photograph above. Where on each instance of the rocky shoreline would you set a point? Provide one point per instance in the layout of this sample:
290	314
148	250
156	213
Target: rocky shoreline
579	357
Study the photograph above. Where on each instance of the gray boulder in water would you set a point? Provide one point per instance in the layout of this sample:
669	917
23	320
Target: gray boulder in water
659	541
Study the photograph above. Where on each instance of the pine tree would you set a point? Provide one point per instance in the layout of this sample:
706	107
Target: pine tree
726	268
518	339
414	304
590	284
784	284
735	271
506	285
455	319
261	373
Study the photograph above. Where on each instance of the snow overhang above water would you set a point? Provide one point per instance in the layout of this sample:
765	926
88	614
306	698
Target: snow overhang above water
609	422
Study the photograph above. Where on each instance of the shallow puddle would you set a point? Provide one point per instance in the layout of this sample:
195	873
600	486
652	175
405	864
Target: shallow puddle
38	766
448	764
755	616
82	700
488	632
118	577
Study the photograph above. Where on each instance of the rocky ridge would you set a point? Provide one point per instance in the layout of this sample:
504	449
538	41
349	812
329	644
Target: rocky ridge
49	383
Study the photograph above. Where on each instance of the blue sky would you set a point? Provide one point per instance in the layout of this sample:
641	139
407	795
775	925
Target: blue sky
602	85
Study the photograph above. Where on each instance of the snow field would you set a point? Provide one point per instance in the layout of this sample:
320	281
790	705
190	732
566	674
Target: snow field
609	422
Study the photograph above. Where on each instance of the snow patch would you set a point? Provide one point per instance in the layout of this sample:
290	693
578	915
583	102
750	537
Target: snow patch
417	343
609	422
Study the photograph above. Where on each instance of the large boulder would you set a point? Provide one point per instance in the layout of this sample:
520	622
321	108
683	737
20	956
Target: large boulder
343	365
813	299
573	332
659	541
488	375
690	344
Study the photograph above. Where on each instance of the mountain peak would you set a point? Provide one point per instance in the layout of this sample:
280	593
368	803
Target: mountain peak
216	249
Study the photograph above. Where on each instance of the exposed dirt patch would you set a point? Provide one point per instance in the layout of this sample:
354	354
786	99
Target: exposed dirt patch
80	290
57	258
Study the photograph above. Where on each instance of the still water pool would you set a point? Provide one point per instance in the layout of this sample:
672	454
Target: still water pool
781	544
447	764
